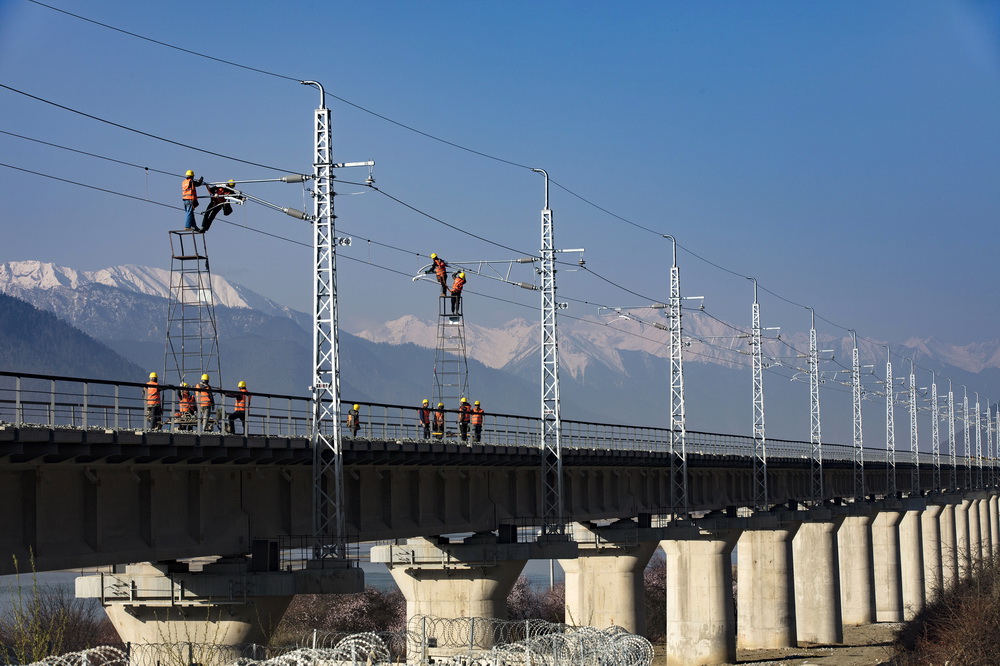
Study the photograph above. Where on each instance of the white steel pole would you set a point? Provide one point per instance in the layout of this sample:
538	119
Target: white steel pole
859	446
914	448
890	429
935	434
759	440
815	431
952	448
678	421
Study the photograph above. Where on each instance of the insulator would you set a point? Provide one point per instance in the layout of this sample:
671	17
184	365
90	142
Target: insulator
658	306
294	212
525	285
662	327
527	260
295	178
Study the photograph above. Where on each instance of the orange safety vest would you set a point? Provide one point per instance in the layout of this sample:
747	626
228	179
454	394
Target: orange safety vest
463	413
440	268
439	418
188	192
187	402
477	415
205	398
242	401
456	288
153	398
425	415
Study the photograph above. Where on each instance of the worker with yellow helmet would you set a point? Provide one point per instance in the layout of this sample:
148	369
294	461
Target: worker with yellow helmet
440	268
189	197
154	403
464	417
241	405
456	292
206	404
354	420
222	195
424	418
439	421
478	416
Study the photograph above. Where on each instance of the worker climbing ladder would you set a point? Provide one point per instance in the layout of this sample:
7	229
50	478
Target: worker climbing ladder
451	367
192	347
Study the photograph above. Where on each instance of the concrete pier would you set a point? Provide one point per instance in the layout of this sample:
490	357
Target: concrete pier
975	535
604	585
949	547
911	562
857	573
766	593
995	522
885	549
962	542
818	617
986	538
930	528
701	626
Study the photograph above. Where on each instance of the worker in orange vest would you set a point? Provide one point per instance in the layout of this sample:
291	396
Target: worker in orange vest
441	270
241	403
424	418
464	415
187	408
478	415
456	292
189	196
154	403
439	421
206	404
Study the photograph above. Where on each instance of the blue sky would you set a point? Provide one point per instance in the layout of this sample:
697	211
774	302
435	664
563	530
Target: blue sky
845	154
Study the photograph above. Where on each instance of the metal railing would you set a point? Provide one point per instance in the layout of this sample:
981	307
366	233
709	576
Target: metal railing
31	400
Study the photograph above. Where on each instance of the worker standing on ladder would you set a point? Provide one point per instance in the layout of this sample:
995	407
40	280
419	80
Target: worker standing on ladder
206	404
424	418
478	414
464	417
440	269
189	196
154	403
439	421
456	292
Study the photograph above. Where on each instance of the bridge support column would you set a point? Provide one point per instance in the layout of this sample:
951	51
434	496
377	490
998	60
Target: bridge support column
911	562
986	539
701	624
766	593
994	522
963	545
604	585
930	528
885	556
949	549
857	573
818	617
467	581
975	536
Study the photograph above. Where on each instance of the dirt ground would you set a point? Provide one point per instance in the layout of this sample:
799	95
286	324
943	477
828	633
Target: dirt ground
863	646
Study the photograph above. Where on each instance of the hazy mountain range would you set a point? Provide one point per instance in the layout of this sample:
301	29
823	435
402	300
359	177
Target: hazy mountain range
612	369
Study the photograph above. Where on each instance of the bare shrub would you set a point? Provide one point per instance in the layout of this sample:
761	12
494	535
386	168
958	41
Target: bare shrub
655	586
527	603
371	610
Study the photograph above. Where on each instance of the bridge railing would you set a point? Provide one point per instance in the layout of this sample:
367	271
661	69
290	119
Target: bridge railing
73	402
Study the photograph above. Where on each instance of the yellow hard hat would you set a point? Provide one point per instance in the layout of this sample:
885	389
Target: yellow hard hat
434	255
477	403
184	383
204	378
462	275
189	173
357	406
152	375
464	400
440	404
231	183
426	401
242	385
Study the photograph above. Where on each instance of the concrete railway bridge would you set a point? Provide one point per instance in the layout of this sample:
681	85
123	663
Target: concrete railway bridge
82	484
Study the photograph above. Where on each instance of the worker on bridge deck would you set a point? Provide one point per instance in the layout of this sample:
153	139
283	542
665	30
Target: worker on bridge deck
206	404
354	420
424	418
187	412
439	421
464	418
478	415
189	196
456	292
154	403
241	403
440	268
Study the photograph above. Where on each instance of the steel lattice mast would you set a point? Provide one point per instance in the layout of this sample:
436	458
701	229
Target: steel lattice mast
966	439
678	421
914	451
551	472
953	480
979	445
815	431
890	429
328	458
859	443
935	433
989	443
760	495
